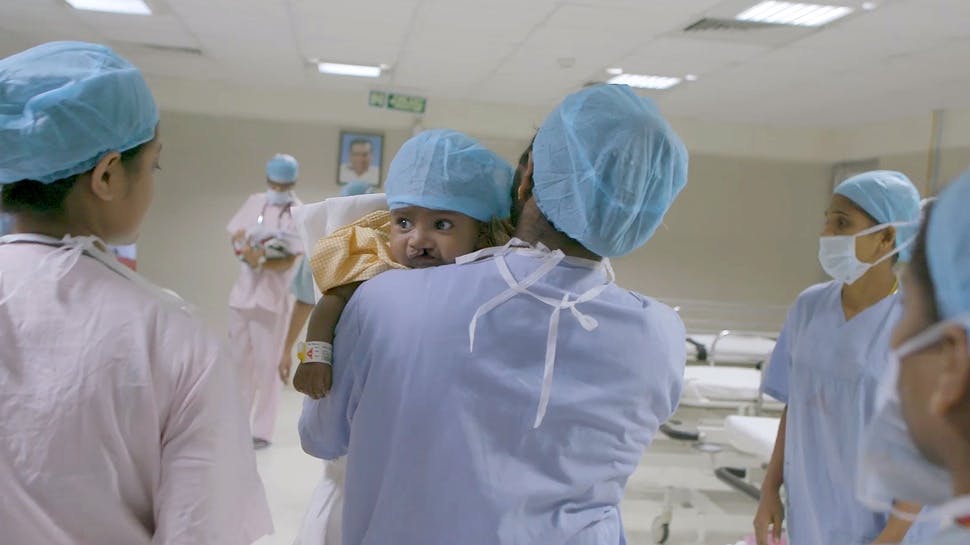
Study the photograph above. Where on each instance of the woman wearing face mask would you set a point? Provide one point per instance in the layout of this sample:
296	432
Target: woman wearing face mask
266	240
918	447
827	364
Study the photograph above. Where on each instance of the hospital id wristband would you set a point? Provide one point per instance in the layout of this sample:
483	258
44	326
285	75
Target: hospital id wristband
316	352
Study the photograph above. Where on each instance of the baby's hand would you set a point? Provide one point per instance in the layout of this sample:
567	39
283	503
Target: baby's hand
313	379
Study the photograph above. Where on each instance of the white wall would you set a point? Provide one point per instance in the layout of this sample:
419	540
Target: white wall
744	230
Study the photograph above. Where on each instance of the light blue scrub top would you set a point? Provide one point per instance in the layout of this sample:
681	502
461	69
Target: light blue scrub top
302	285
953	535
827	370
439	440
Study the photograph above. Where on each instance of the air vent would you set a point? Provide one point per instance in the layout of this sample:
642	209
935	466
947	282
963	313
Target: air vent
158	48
726	25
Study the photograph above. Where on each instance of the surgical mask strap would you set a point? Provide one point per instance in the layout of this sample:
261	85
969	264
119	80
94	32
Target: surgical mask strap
930	335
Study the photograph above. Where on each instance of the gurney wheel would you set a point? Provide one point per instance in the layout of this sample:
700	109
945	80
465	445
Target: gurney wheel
660	530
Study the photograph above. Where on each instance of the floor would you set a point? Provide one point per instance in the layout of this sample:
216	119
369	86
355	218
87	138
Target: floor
290	475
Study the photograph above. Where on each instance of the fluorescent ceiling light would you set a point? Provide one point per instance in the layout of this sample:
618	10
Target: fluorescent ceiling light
645	82
357	70
614	71
690	77
791	13
127	7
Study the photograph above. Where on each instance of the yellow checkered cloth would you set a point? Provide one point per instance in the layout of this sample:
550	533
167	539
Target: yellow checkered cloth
355	253
360	251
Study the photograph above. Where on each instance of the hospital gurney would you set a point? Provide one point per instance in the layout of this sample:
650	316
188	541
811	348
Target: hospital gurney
739	348
724	385
739	451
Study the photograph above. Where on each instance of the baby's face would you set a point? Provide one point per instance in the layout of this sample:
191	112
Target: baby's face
421	237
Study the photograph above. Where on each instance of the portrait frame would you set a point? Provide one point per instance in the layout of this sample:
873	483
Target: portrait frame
346	171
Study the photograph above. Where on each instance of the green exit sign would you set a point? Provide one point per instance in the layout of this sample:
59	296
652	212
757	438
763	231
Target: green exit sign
377	99
401	103
404	103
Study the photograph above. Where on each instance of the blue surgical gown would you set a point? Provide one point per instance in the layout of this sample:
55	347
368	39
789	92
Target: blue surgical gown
827	371
439	440
302	284
954	535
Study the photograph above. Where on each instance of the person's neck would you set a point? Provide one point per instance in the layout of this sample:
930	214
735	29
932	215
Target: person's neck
957	461
877	284
540	231
51	226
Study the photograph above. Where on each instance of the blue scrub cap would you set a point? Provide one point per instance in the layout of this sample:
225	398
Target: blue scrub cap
64	105
282	169
948	249
355	188
447	170
888	197
607	167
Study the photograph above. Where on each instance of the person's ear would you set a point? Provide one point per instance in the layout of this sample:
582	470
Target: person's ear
888	241
106	177
953	384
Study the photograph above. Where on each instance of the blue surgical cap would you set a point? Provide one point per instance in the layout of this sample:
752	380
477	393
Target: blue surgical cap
282	169
64	105
355	188
948	249
447	170
888	197
607	167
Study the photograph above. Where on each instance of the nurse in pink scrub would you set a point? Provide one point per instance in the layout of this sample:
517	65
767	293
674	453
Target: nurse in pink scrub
266	241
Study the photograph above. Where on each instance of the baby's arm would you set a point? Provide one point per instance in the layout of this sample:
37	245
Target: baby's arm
315	378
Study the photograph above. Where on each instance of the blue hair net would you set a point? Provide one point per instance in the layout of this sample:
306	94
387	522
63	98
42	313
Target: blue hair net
888	197
355	188
282	169
64	105
948	249
447	170
607	167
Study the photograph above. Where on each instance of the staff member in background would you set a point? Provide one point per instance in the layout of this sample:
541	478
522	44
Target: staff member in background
302	289
120	419
266	240
827	364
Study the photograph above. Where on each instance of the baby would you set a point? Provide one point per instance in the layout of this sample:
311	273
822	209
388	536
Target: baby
448	196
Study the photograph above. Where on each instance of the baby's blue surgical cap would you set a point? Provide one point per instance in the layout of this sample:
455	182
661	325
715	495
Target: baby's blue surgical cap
355	188
948	249
447	170
607	167
282	169
888	197
64	105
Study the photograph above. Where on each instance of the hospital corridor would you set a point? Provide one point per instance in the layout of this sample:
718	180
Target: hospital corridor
484	272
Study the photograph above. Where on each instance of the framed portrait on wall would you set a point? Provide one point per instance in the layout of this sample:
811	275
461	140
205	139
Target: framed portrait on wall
361	157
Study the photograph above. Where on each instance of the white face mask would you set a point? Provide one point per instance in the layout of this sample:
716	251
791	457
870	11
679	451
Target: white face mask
891	466
279	198
838	258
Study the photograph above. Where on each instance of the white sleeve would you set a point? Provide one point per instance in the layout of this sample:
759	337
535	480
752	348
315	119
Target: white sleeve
209	490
